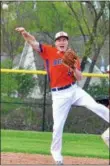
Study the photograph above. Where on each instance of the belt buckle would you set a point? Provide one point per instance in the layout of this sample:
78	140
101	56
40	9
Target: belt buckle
56	89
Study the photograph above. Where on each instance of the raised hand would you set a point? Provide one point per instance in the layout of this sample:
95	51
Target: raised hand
27	37
20	29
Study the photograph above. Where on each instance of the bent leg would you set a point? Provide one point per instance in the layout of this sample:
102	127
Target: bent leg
87	101
84	99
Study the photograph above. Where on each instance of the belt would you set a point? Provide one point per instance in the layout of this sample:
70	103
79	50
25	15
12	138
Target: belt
63	87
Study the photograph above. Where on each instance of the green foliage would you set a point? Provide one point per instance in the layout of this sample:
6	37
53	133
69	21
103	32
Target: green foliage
48	17
26	83
7	64
98	90
8	82
23	83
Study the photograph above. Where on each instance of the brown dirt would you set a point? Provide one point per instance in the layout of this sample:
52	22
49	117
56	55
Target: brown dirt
21	158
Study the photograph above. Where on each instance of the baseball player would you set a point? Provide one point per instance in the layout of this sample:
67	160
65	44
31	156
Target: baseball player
65	91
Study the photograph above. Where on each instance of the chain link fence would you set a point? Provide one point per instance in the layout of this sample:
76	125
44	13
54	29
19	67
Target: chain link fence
23	108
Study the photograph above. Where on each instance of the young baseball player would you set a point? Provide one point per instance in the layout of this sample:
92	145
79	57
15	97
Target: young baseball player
65	91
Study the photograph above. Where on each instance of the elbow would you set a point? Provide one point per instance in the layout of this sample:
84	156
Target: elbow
79	78
78	75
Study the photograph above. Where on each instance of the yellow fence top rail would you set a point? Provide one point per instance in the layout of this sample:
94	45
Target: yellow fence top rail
44	72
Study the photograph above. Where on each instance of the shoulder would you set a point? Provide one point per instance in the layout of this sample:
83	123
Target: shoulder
47	50
45	47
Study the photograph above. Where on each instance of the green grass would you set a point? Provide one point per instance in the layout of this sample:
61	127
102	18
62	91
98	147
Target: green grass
81	145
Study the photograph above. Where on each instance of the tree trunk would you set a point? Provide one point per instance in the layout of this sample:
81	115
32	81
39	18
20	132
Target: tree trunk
94	60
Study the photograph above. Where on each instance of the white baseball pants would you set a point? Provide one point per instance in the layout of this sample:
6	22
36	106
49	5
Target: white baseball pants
62	101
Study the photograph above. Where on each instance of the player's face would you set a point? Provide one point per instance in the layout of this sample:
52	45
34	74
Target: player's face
61	44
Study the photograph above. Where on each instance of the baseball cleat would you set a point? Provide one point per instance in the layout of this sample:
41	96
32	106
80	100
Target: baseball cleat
59	163
105	137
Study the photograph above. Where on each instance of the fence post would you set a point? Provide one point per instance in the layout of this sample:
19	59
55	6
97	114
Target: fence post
44	103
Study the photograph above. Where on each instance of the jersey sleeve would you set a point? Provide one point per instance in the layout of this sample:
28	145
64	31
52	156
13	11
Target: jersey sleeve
44	50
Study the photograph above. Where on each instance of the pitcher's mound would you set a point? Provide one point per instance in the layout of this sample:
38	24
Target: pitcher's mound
22	158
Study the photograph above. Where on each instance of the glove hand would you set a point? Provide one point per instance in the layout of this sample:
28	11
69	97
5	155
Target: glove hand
70	59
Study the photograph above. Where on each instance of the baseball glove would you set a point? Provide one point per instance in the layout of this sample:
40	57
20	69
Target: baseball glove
70	59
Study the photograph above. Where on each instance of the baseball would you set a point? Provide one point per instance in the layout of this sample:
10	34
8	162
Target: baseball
5	6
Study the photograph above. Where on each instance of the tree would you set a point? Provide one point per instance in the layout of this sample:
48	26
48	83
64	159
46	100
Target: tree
43	20
96	24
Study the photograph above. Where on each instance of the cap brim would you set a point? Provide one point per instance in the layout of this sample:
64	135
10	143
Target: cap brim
62	36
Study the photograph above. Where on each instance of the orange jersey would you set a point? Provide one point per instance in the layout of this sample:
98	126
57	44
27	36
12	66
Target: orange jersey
58	74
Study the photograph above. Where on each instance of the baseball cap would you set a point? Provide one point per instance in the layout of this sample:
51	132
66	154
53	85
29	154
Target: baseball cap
61	34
